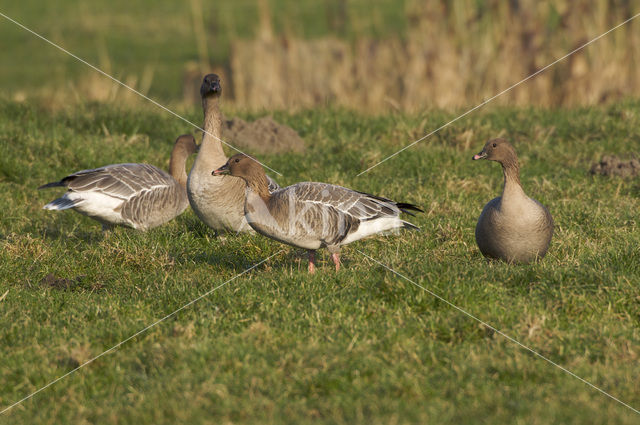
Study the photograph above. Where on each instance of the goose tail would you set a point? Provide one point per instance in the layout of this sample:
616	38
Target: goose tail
407	208
61	204
52	184
407	225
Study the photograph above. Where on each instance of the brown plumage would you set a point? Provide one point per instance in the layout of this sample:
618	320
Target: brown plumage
313	215
512	227
217	200
140	196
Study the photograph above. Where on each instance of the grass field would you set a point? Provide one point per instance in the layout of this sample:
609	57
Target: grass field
279	346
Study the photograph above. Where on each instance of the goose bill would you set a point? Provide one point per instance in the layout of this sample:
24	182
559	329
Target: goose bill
480	155
222	170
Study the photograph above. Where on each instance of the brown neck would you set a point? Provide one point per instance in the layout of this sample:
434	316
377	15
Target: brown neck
177	165
511	169
511	172
258	183
211	154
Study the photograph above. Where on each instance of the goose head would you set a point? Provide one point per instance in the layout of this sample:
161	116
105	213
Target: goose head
210	86
240	165
249	170
498	150
186	144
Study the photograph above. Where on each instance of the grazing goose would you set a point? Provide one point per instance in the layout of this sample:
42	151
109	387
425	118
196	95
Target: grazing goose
512	227
140	196
217	200
313	215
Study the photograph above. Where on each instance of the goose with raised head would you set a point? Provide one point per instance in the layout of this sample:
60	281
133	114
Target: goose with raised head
217	200
140	196
512	227
313	215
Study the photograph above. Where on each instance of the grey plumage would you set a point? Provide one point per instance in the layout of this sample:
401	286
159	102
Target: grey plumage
512	227
273	185
316	215
313	215
140	196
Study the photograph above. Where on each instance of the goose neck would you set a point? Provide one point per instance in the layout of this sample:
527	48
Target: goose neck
211	148
177	167
260	186
512	185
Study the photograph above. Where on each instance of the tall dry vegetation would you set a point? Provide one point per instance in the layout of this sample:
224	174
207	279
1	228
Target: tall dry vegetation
454	54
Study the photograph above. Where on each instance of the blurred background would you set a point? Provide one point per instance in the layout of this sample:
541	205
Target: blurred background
370	56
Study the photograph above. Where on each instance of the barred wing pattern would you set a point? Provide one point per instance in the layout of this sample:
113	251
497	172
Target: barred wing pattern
273	185
136	195
313	215
359	205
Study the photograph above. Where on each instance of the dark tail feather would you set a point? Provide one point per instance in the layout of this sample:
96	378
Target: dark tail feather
407	208
407	225
52	184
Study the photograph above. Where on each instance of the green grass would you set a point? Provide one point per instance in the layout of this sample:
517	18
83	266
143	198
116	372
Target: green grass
363	345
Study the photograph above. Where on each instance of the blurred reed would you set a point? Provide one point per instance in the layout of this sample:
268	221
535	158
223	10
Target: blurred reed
435	54
454	54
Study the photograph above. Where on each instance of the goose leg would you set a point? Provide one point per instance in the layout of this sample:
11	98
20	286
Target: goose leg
312	261
336	259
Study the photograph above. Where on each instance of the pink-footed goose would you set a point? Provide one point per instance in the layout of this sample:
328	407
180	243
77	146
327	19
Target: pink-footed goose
217	200
313	215
512	227
140	196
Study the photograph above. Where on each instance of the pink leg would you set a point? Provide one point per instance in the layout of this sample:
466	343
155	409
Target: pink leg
336	259
312	261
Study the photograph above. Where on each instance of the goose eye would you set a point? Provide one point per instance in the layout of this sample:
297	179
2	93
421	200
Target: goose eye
494	145
237	160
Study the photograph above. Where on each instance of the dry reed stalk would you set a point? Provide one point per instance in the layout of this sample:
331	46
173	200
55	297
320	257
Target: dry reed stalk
200	34
455	55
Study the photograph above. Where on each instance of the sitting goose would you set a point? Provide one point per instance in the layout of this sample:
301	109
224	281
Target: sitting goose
313	215
217	200
140	196
512	227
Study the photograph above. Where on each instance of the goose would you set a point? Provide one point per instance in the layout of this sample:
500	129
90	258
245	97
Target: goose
512	227
139	196
313	215
217	200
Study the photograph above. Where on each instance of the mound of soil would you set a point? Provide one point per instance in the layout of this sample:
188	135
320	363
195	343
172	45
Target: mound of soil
263	135
611	165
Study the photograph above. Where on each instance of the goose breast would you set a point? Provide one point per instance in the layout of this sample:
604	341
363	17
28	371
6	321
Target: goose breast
514	233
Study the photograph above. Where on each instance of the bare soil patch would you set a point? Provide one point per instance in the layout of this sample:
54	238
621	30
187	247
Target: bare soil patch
611	165
263	135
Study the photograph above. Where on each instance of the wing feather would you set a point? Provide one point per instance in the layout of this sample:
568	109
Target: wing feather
121	181
328	212
359	205
273	185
